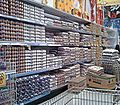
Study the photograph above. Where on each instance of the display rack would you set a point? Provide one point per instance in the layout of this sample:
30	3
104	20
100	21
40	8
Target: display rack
20	19
59	15
7	84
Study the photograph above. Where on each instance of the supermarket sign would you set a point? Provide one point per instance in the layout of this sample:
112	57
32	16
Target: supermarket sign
2	79
108	2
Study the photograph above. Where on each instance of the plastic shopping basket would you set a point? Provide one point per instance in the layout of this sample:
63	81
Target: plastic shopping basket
88	96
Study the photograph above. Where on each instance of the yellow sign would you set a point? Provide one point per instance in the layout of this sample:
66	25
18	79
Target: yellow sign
108	2
2	79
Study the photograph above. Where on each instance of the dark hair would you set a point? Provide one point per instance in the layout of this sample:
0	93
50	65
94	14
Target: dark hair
117	48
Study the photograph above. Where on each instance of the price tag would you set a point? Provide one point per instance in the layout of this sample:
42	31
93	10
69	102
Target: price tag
2	79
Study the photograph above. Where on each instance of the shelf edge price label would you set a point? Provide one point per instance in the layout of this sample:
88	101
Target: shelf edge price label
2	79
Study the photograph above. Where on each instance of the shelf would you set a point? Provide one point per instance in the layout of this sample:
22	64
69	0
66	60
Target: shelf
86	46
52	16
60	28
46	93
47	26
57	12
59	45
11	43
35	44
21	20
46	96
63	15
59	87
107	28
54	45
36	98
29	73
83	32
73	63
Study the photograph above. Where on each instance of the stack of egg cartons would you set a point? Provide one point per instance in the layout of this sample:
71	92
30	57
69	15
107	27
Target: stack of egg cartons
109	56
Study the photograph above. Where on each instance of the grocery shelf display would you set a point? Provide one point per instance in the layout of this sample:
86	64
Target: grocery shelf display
47	46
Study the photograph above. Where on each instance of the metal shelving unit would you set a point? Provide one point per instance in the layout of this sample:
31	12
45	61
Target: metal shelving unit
7	85
48	27
36	98
31	44
21	20
41	71
57	15
57	12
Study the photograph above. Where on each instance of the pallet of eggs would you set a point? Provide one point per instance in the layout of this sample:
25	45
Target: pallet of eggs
77	84
71	72
111	63
84	68
96	78
109	56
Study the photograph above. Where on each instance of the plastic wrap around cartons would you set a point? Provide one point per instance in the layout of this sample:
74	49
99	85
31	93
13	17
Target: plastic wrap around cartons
109	57
96	69
110	51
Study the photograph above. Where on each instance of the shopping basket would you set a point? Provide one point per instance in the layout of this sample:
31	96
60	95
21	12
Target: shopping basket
89	96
